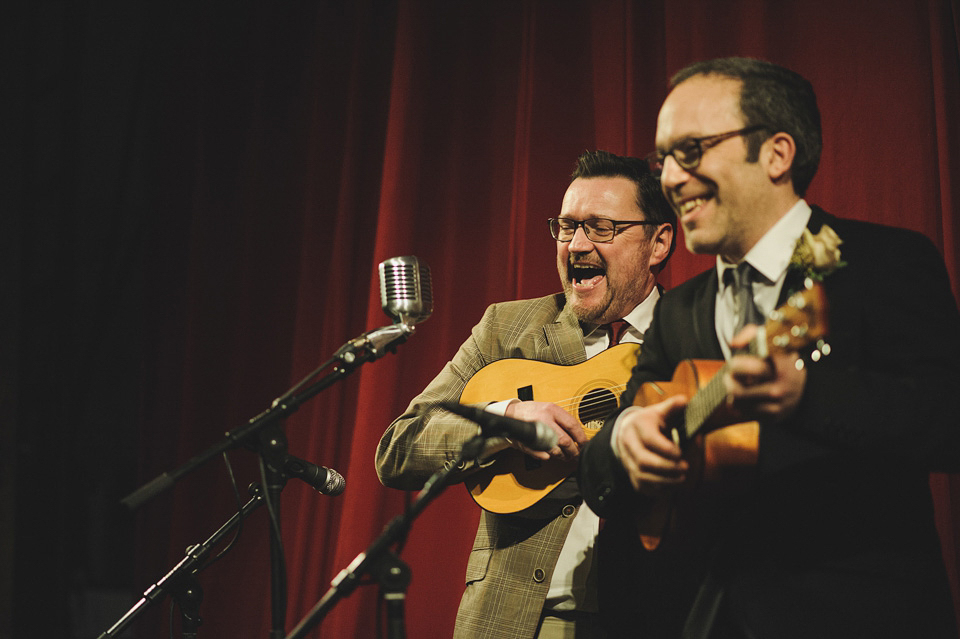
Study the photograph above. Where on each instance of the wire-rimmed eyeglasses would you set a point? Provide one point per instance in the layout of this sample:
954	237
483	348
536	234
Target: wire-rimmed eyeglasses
689	151
598	229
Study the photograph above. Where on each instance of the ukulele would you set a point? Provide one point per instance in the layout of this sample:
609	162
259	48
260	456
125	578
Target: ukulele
589	391
718	446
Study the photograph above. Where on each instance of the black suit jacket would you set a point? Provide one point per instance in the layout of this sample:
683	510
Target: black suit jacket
834	535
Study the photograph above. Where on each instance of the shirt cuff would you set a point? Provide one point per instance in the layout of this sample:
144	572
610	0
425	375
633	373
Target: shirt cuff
495	444
615	435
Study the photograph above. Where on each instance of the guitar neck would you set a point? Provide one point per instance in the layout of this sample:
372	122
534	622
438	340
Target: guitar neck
713	395
704	404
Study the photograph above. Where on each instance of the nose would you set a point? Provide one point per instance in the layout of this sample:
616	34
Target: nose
580	242
672	174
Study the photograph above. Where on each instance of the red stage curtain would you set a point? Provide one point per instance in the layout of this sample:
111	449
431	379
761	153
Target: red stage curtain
304	147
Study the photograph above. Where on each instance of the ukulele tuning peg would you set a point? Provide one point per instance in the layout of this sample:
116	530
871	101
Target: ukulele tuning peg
822	350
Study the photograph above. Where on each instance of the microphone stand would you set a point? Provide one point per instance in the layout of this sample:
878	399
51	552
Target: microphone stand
181	582
273	451
378	560
264	434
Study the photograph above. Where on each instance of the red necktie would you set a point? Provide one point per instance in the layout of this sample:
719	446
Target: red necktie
616	329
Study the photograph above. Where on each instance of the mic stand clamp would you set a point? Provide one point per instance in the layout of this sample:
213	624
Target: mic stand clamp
188	594
374	344
393	575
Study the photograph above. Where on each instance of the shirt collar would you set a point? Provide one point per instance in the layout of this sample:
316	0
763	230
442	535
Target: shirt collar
771	255
640	317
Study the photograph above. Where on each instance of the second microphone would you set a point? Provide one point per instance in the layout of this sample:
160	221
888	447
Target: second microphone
534	435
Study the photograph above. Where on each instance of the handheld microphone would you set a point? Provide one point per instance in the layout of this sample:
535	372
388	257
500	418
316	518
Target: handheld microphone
406	291
534	435
325	481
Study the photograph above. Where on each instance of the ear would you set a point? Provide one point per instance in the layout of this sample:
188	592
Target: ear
778	152
662	241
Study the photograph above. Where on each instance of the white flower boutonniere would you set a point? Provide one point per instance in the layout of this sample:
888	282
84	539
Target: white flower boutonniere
818	255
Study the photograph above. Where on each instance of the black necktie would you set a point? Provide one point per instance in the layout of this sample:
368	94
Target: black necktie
742	279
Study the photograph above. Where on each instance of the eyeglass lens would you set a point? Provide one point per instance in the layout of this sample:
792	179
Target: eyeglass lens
564	229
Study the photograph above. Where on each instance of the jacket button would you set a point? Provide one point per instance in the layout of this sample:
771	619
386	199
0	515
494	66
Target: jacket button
538	575
568	510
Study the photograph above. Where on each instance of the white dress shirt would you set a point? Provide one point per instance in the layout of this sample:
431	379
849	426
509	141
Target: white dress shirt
770	257
573	586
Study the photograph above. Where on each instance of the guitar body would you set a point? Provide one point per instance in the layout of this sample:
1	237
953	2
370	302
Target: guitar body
589	391
724	454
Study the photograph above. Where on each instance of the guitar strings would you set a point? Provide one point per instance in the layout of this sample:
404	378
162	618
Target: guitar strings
578	402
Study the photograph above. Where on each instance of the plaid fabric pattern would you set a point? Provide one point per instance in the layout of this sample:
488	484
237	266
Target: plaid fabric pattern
513	557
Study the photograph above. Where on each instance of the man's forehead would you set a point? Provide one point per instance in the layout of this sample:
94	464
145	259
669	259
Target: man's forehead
601	194
702	105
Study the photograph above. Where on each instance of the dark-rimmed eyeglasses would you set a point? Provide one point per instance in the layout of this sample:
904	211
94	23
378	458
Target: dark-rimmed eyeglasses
689	151
598	229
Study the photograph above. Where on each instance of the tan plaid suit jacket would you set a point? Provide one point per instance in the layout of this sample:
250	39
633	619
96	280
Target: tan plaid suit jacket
513	557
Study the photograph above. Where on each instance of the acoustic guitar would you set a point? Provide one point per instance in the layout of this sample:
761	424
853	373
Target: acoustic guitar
589	391
717	444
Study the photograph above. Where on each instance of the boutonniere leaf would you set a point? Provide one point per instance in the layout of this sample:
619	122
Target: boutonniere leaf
817	256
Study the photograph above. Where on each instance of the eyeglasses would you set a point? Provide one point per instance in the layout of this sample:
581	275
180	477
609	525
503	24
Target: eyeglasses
689	151
598	229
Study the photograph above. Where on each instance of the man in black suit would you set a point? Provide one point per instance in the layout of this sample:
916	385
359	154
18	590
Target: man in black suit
831	534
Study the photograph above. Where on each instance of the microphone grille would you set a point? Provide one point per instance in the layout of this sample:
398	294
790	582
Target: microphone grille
335	483
406	290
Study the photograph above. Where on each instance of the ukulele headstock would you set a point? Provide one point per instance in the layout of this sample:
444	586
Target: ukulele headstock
800	323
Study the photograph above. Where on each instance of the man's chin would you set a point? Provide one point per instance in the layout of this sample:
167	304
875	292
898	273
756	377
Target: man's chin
589	311
700	243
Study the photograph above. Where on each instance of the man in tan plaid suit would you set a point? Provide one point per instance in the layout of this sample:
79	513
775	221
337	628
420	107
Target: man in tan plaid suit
533	574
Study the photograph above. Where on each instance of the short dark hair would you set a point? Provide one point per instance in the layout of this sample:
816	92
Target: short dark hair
650	198
776	98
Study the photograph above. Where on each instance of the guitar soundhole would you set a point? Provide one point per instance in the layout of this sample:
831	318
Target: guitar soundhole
596	405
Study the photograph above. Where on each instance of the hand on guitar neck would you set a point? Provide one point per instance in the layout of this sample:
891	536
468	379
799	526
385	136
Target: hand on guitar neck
765	389
571	437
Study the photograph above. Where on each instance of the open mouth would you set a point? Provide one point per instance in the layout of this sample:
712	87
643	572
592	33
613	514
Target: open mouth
586	275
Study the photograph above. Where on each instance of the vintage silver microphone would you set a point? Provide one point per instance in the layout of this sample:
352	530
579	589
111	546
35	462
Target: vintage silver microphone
406	292
406	296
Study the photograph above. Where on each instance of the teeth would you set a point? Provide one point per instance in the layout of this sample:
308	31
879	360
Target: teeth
579	272
689	205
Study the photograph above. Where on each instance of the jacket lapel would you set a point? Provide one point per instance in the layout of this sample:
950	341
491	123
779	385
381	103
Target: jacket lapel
563	340
704	325
794	279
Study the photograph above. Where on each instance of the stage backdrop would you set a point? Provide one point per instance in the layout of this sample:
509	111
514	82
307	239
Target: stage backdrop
285	151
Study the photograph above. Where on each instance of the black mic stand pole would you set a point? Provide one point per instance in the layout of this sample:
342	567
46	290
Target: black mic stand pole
273	452
380	561
181	583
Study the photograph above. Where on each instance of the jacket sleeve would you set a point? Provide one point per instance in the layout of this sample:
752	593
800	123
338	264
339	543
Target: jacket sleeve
420	442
